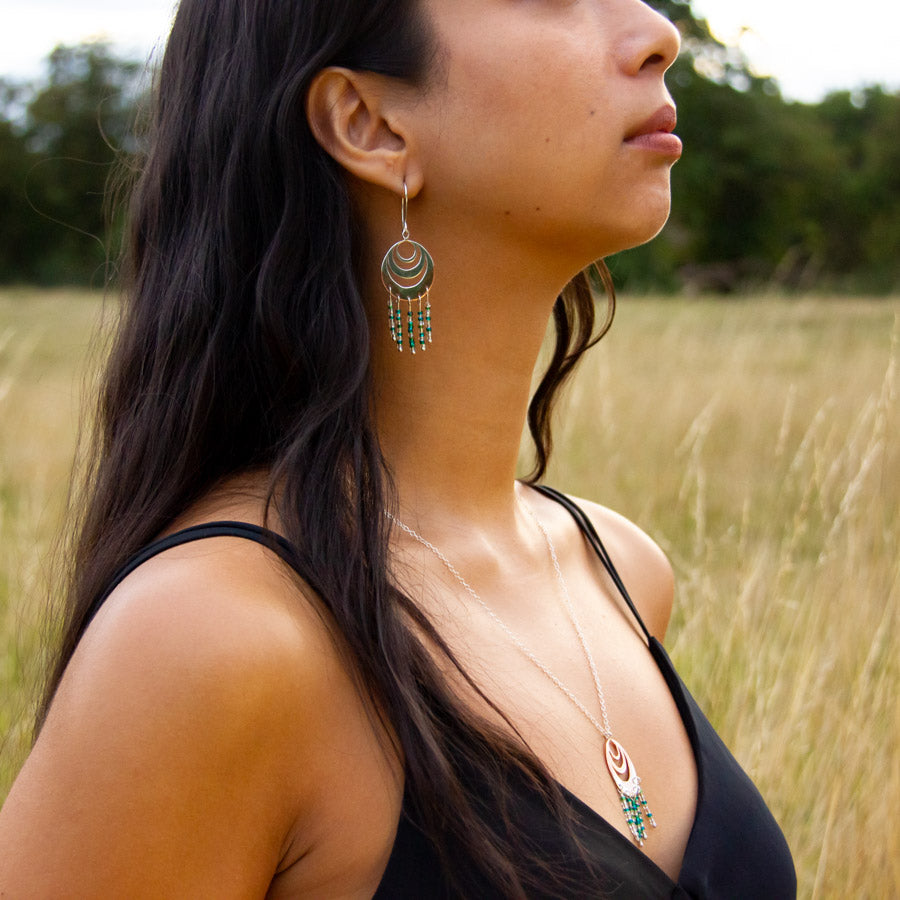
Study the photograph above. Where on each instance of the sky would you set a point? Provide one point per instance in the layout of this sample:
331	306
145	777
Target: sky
810	47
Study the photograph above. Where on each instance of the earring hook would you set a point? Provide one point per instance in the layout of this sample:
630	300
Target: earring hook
404	207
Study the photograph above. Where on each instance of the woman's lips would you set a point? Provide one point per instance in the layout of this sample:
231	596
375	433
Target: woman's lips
659	141
655	133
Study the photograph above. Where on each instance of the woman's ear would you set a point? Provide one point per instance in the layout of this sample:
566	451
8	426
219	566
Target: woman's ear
350	116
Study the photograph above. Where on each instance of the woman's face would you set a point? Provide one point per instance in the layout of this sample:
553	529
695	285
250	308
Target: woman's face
532	120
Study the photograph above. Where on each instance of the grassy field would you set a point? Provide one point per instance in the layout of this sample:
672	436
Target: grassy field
43	354
756	441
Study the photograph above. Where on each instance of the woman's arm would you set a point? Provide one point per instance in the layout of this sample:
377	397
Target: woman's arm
179	757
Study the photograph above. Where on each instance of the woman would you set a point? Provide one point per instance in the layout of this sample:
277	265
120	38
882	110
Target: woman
424	686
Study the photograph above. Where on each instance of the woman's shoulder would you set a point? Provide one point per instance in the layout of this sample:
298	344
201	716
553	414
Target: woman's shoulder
194	730
223	612
220	601
219	598
644	568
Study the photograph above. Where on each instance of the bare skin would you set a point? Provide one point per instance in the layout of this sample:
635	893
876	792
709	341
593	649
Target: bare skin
231	755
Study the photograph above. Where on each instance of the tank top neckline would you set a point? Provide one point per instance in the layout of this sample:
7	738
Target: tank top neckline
661	658
705	744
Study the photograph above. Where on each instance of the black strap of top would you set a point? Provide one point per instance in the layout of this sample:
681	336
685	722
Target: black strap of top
246	530
587	528
280	546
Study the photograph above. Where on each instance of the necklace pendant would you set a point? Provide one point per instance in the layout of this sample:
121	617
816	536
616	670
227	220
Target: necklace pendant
628	784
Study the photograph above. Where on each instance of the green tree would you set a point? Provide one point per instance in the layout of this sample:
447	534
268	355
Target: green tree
20	229
73	129
864	229
770	191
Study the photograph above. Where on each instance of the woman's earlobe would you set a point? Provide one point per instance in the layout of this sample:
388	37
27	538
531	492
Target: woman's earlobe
345	113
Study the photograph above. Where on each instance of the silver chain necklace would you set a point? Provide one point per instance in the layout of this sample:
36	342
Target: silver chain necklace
621	768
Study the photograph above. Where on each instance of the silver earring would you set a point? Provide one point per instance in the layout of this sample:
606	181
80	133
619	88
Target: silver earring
408	273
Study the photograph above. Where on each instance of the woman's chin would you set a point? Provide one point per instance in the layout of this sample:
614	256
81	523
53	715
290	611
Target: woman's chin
629	240
652	222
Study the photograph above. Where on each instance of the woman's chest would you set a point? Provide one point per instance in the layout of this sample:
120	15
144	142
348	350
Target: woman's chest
565	701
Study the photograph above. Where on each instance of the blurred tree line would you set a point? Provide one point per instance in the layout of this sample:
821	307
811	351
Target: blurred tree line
60	142
770	193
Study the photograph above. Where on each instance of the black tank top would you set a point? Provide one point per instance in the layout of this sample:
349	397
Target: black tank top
735	851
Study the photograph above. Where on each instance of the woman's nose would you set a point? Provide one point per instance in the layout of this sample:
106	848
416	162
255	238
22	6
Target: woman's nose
652	41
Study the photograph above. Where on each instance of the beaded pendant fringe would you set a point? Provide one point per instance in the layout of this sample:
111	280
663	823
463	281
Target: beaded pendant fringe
628	784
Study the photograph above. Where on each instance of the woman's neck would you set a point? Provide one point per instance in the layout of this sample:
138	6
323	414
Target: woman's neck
450	419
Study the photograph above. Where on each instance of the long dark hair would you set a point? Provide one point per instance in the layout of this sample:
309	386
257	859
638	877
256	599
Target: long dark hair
244	345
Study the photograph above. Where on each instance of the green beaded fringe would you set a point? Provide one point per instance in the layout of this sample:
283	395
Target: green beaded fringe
418	322
634	803
635	809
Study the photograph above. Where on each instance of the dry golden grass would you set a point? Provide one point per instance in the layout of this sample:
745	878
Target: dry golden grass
756	441
43	341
